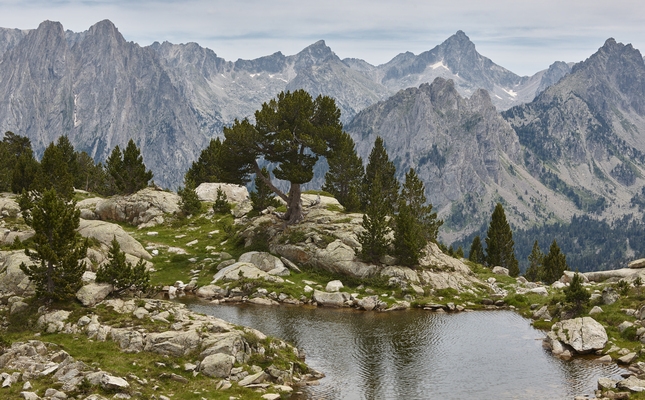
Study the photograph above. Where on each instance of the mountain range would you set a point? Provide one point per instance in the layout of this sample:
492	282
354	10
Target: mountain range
562	142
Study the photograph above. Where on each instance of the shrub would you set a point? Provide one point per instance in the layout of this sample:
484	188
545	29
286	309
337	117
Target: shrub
121	274
221	205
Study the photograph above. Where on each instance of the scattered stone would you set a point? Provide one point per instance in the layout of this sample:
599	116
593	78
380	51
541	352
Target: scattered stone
500	270
334	286
609	295
325	299
217	365
628	358
542	313
595	310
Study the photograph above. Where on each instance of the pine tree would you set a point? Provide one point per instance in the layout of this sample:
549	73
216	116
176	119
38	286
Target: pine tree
415	222
379	164
534	270
22	164
554	264
345	175
120	273
69	155
373	239
476	253
263	196
221	205
54	173
6	167
219	163
58	247
127	170
500	249
189	201
576	294
91	177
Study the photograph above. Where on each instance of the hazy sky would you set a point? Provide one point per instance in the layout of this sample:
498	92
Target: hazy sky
522	36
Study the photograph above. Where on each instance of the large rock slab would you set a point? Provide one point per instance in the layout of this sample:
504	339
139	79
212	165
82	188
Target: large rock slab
9	205
93	293
104	232
207	191
217	365
640	263
240	269
143	207
173	343
265	262
336	299
584	335
12	279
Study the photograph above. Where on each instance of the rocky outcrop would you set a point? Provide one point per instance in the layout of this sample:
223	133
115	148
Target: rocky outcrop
12	279
145	208
93	293
104	232
234	193
583	335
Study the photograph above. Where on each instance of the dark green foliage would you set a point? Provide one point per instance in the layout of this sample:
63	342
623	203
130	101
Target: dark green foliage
379	164
459	253
221	205
54	173
90	177
217	163
345	175
121	274
575	294
499	243
58	247
534	270
553	265
263	196
127	170
292	131
6	167
189	201
415	222
374	239
22	163
476	253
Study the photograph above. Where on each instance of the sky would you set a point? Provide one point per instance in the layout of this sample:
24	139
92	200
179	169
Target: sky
524	37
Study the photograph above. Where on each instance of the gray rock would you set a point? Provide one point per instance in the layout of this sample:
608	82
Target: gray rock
542	313
173	343
640	263
334	286
110	382
104	232
624	325
330	299
12	279
234	193
29	396
633	384
93	293
217	365
262	260
144	208
609	295
595	310
253	379
584	335
18	307
240	269
628	358
500	270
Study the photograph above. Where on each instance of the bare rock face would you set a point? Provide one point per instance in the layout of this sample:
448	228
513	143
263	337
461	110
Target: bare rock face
584	335
217	365
12	279
104	232
144	208
93	293
234	193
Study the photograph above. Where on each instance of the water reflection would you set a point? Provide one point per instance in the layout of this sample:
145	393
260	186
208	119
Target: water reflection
420	355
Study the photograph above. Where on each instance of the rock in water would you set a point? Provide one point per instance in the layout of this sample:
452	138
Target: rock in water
584	335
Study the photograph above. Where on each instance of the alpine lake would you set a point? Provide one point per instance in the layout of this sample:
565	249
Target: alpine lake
417	354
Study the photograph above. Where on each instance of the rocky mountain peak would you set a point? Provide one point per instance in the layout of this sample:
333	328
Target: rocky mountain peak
313	54
106	32
458	42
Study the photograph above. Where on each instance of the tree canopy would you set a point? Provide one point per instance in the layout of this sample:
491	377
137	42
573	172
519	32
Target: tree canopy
59	249
500	249
345	174
379	164
292	131
127	170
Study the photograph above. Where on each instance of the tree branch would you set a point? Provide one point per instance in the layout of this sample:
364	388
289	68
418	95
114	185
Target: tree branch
268	182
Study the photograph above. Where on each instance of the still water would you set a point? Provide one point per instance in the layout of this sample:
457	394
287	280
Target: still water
417	354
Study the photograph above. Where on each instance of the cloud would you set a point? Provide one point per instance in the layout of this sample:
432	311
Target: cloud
521	36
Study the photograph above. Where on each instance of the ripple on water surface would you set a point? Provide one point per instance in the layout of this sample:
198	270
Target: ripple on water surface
420	355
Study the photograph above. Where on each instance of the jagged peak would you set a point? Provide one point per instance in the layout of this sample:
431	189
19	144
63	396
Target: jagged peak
459	39
47	25
318	49
105	28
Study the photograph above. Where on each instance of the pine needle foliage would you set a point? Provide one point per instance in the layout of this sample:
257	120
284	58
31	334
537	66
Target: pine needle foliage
476	253
58	248
188	200
500	248
379	165
127	170
553	265
374	238
576	294
534	270
221	205
121	274
263	196
415	222
345	175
